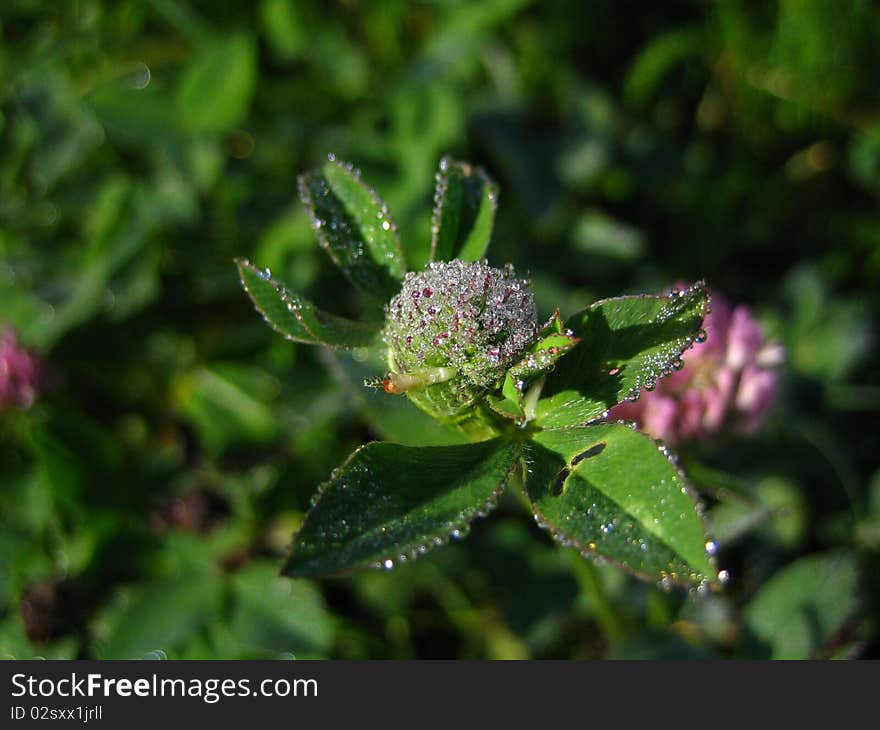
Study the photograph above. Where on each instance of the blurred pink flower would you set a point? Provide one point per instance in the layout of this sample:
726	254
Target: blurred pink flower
20	372
728	381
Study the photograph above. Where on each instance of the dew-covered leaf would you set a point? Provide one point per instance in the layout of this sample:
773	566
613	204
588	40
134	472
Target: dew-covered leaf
354	227
465	199
390	502
609	491
804	604
298	319
627	343
551	343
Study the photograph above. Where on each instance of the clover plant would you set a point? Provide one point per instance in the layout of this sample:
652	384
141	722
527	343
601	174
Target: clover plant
463	341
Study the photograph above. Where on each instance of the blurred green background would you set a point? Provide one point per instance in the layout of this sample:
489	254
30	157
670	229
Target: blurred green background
147	497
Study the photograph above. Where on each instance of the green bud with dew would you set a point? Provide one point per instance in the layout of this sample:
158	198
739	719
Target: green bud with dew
453	331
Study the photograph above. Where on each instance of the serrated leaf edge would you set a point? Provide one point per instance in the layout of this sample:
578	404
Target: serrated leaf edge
447	162
590	553
317	226
411	552
287	296
678	352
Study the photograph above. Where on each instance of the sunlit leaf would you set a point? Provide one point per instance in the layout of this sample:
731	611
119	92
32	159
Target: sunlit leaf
552	342
608	491
464	211
354	227
298	319
627	343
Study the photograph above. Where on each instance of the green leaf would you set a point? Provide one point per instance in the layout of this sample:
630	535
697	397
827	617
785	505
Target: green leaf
353	226
228	404
551	343
627	343
285	30
215	92
464	211
298	319
609	491
271	615
798	610
161	614
389	503
164	612
657	58
597	234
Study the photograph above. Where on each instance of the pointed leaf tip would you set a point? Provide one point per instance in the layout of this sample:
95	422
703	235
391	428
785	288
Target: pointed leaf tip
465	199
612	492
628	343
353	225
298	319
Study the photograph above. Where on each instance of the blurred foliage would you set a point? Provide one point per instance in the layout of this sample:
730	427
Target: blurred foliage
147	499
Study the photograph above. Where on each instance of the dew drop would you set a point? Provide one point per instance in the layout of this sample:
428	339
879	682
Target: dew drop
139	78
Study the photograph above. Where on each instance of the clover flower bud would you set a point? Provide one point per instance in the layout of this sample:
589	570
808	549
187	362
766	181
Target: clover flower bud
453	330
